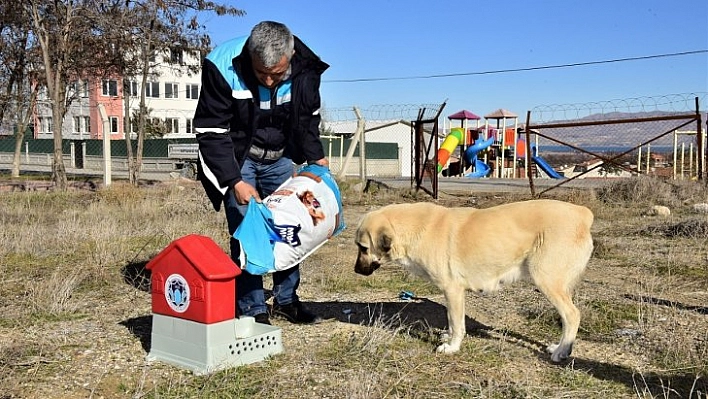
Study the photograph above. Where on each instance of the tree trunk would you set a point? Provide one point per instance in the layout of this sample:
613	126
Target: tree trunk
16	158
142	115
58	169
21	128
128	145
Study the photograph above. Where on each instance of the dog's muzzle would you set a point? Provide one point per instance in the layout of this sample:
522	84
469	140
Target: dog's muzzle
366	268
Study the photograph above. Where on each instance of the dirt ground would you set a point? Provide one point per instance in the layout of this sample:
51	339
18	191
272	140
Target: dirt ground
647	350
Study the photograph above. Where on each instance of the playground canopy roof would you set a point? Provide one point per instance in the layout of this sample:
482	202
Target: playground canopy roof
501	113
464	114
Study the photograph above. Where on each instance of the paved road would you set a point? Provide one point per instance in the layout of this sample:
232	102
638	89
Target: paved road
75	173
467	185
446	184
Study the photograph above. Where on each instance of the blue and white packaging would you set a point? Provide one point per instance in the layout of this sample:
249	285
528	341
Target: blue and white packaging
291	223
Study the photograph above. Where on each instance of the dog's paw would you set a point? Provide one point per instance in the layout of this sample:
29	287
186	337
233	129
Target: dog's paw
551	348
559	353
447	348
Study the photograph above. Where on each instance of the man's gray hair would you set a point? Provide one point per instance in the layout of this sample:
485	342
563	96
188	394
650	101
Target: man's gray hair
270	41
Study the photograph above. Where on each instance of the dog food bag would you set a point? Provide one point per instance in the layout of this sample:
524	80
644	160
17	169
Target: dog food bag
291	223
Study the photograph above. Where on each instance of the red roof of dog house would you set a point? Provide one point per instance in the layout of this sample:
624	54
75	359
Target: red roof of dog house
194	279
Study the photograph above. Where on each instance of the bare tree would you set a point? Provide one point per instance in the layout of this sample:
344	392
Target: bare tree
160	29
18	64
98	38
64	39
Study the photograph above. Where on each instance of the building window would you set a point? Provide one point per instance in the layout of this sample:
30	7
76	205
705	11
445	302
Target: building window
189	128
171	90
73	89
192	92
42	93
45	125
78	88
114	124
176	56
171	125
133	124
131	87
110	88
152	90
82	124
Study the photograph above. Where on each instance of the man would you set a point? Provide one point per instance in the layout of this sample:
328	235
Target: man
258	112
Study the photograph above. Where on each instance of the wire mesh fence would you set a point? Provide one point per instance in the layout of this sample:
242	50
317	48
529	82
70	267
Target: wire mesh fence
383	149
651	135
659	136
621	108
382	133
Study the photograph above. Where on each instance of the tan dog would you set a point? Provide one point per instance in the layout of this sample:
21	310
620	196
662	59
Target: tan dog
546	241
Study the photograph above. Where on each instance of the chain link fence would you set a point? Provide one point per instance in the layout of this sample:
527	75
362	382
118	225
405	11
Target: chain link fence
372	142
657	136
367	142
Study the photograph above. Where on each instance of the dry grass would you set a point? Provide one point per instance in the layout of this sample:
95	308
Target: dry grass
75	306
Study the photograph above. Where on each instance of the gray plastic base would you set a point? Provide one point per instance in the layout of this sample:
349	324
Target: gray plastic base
204	348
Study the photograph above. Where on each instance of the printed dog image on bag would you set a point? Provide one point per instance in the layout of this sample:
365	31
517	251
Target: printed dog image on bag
313	206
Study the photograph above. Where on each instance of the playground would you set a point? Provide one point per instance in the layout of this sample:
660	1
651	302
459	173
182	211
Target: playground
495	148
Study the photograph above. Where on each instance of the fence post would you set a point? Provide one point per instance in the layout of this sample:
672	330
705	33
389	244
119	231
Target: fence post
106	145
360	127
359	133
700	161
72	154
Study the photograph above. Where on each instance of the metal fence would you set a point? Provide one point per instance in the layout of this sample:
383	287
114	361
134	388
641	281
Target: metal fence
658	136
362	143
384	127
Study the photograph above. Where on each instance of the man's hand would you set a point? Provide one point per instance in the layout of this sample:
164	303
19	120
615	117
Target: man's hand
243	193
322	162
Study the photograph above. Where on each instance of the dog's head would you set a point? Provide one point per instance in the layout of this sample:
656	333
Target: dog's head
374	240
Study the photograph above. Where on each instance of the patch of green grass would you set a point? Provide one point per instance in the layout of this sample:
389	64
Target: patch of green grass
396	281
26	263
242	382
46	317
578	382
691	272
382	280
598	317
602	317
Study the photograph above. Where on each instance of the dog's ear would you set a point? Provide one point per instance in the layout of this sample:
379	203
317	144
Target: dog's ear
384	240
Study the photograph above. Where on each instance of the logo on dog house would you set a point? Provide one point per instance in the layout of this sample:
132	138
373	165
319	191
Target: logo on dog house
194	279
177	293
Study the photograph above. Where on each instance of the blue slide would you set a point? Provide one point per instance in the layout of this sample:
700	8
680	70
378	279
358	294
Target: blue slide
481	169
546	167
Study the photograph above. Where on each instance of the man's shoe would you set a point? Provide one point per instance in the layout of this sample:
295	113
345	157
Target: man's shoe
262	318
296	313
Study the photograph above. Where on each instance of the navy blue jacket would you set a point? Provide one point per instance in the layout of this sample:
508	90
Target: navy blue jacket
229	104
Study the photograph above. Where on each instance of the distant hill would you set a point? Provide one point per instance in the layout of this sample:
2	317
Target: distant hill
629	134
630	115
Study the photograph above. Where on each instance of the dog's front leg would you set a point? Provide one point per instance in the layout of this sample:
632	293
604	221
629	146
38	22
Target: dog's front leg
455	297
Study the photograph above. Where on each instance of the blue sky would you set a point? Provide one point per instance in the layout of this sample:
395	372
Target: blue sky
412	38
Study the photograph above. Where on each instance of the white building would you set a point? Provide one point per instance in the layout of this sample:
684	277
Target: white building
171	93
387	131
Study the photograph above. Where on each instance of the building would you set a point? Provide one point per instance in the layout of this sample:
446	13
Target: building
395	131
171	94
